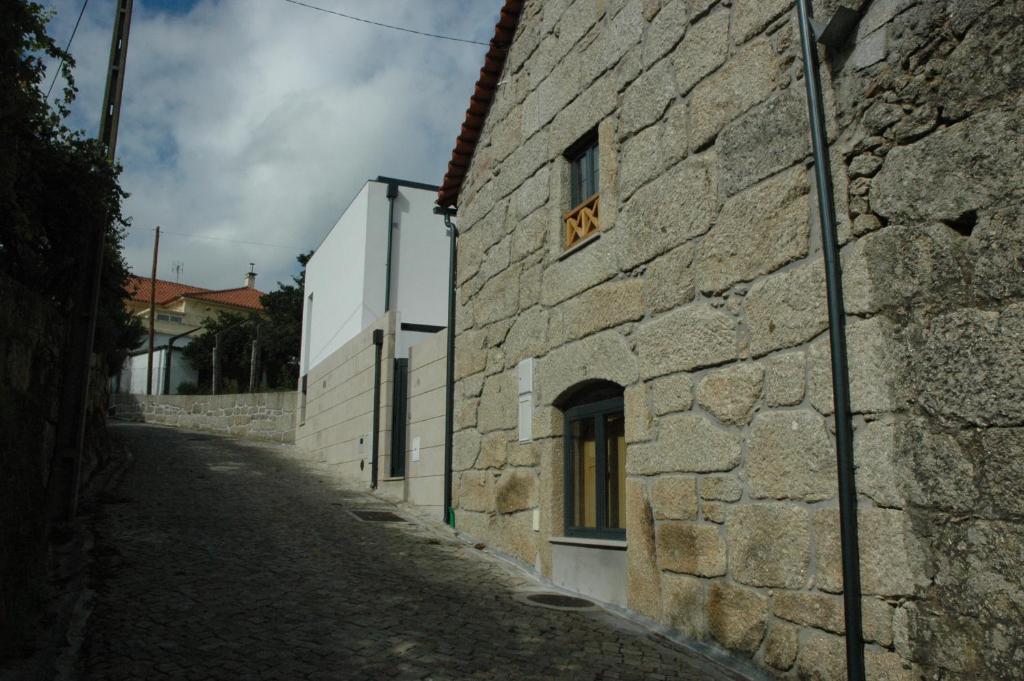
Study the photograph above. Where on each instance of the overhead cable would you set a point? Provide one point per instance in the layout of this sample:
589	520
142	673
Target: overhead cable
377	23
66	49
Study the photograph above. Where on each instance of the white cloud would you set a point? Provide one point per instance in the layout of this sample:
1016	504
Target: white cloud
257	120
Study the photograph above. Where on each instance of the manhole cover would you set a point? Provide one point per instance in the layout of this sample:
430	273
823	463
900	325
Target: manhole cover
378	516
560	601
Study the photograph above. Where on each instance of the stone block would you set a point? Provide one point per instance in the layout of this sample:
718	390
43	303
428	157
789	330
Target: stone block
730	394
691	548
972	368
672	393
703	50
736	616
973	164
714	511
822	658
691	337
665	31
603	356
528	336
616	38
493	450
784	379
640	160
637	414
674	497
821	611
687	443
516	490
790	456
764	141
877	621
786	309
498	403
644	590
758	231
770	545
465	449
603	307
647	98
873	365
675	134
745	80
1001	474
781	646
585	268
476	491
750	17
721	488
684	605
669	281
662	214
889	557
499	297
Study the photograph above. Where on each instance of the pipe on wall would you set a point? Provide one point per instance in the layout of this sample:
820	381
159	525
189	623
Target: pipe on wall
449	397
392	195
837	345
378	346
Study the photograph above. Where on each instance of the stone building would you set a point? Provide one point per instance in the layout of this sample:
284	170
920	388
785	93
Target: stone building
643	396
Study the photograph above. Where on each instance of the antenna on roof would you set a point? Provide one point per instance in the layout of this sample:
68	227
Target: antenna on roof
178	267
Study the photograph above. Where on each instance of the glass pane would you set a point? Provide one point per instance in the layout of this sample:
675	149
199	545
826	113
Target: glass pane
615	475
575	181
595	185
584	463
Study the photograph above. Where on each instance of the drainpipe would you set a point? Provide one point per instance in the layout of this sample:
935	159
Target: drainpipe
170	355
837	334
392	195
449	397
378	345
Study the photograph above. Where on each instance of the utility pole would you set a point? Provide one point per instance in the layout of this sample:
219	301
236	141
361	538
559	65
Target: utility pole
215	364
152	314
74	403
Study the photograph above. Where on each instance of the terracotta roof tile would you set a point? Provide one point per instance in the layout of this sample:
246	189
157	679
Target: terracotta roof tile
240	297
169	291
480	103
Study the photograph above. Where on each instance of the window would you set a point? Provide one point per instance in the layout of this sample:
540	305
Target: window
169	318
595	469
584	186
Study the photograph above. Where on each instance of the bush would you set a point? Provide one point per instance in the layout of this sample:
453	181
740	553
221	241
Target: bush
188	388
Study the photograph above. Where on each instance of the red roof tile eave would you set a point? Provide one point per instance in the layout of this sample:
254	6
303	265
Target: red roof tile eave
480	103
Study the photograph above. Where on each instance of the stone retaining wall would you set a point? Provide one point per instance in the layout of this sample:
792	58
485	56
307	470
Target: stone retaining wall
259	416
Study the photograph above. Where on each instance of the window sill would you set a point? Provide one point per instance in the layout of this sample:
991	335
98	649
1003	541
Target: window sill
593	542
580	245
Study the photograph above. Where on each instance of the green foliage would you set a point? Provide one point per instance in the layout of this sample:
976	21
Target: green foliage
281	338
57	188
188	388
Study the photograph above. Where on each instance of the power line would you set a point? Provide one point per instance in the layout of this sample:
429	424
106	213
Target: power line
70	40
394	28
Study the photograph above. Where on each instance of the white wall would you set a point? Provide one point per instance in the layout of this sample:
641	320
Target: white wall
420	252
133	374
335	275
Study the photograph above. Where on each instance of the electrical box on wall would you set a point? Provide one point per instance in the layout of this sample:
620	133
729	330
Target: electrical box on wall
524	373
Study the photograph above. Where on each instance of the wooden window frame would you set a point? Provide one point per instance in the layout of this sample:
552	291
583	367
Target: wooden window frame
583	219
597	411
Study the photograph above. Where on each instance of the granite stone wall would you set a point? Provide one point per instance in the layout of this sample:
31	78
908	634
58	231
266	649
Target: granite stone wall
704	299
256	416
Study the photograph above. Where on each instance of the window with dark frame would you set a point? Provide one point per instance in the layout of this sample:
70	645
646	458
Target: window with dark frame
595	470
581	220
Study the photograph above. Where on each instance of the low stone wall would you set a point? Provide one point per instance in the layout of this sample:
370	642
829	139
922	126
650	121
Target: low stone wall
257	416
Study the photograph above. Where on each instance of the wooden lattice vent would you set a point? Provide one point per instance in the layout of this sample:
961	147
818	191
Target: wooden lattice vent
582	221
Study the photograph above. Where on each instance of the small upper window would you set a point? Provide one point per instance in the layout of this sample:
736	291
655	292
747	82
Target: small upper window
584	185
169	318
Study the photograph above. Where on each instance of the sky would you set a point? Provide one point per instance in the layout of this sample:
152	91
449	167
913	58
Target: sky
258	120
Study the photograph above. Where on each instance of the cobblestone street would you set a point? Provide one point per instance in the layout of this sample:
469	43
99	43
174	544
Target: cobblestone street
222	559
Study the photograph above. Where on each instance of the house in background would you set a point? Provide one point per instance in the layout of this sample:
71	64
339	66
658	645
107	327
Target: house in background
181	310
371	393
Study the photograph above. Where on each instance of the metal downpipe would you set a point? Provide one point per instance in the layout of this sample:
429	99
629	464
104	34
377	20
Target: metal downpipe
837	345
449	398
378	346
392	195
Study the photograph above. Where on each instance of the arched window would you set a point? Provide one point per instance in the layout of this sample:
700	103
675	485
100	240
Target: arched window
595	462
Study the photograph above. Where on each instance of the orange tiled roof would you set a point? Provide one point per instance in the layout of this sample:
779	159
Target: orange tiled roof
480	103
168	291
240	297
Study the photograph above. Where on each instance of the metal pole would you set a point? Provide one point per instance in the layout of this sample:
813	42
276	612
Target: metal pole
392	195
378	344
449	397
254	361
837	345
152	314
216	364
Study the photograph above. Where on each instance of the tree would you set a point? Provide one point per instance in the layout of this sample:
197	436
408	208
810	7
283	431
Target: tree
281	338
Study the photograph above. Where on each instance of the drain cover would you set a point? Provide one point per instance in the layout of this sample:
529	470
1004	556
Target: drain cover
560	601
378	516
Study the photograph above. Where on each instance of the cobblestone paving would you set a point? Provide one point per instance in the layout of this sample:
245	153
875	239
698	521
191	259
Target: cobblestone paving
221	559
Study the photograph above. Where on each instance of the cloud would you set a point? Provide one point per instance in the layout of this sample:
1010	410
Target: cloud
257	120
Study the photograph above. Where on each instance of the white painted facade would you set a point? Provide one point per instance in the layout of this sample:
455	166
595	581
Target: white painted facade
345	278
